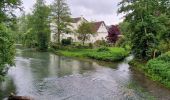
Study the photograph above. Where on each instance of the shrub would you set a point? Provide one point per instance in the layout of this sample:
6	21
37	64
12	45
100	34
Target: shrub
90	45
66	42
55	45
100	43
80	46
159	69
103	49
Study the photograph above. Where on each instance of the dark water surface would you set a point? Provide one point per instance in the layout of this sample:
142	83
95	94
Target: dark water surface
46	76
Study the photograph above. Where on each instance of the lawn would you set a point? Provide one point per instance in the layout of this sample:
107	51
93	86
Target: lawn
104	54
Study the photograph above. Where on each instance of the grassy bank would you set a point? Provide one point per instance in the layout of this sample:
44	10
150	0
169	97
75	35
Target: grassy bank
104	54
157	69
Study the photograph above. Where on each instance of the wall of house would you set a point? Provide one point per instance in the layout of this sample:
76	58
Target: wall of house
74	27
101	34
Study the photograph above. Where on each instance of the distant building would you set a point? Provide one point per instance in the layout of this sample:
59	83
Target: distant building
99	28
101	31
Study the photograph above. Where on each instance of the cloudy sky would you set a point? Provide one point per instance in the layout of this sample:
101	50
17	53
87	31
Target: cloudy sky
92	10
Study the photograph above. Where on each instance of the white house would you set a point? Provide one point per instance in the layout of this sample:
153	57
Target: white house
100	30
76	22
98	27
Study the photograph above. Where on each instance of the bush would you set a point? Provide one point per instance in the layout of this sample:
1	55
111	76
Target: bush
108	54
55	45
90	45
100	43
80	46
121	42
164	46
66	42
103	49
159	69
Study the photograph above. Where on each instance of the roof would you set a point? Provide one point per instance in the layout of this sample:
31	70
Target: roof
75	20
96	25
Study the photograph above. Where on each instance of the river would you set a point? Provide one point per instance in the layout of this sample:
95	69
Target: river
46	76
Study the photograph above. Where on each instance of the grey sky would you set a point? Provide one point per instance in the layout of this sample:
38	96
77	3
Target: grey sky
92	10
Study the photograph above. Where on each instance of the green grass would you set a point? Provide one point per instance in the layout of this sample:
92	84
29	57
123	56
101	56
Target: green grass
112	54
157	69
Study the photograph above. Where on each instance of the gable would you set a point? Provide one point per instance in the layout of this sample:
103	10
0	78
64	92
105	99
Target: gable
102	28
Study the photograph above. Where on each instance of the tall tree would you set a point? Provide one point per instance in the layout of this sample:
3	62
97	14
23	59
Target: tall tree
7	50
144	24
25	33
85	30
41	24
60	18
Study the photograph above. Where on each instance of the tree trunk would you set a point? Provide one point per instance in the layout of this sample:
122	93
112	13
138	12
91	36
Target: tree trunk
58	37
84	40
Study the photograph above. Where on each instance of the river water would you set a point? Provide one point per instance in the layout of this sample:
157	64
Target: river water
46	76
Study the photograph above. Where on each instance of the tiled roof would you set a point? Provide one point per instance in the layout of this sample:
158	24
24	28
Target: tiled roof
96	25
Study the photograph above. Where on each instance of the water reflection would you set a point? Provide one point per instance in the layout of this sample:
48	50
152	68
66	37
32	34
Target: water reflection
46	76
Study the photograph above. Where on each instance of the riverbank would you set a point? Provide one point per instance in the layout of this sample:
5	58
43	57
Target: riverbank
104	54
157	69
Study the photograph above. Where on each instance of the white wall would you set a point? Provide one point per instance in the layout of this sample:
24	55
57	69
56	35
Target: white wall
101	34
73	27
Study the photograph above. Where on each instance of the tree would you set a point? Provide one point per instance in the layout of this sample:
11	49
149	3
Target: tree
126	32
85	30
114	33
60	18
7	50
143	16
25	33
41	24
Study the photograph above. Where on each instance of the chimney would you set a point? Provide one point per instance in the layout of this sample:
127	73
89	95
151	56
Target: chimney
81	16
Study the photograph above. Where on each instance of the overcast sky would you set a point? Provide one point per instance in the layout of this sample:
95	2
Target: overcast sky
92	10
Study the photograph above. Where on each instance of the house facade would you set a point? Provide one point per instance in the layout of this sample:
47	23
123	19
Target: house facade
99	28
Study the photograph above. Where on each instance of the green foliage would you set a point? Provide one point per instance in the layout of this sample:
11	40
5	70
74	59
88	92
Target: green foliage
6	9
29	39
103	49
7	50
85	30
126	32
66	42
146	20
164	46
41	24
100	43
60	14
90	45
113	54
159	69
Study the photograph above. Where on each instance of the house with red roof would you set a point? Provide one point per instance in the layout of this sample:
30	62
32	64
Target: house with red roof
99	28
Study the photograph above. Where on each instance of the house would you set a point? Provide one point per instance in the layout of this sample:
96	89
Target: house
99	28
76	22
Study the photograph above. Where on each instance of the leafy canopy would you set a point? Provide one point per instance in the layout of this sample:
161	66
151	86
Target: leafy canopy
60	14
84	31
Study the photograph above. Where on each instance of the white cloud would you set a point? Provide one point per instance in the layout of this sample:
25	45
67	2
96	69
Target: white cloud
99	10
